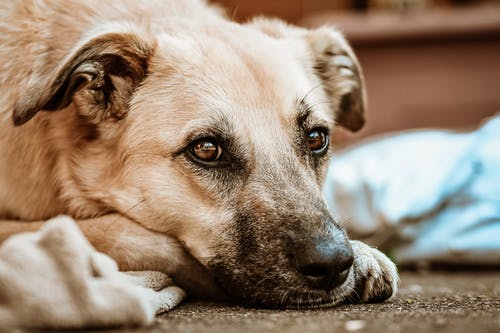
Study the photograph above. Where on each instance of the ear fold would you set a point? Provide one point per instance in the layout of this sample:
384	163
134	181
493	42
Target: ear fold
340	72
99	77
334	62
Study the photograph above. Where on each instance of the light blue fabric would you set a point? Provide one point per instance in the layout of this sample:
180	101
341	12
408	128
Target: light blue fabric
423	196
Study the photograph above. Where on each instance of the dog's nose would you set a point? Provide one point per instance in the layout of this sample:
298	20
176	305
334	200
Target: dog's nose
325	265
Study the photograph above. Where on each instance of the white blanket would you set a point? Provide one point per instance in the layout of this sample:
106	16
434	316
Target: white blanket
431	196
54	278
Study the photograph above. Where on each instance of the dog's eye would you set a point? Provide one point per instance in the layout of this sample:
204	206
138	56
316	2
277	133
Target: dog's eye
206	150
318	141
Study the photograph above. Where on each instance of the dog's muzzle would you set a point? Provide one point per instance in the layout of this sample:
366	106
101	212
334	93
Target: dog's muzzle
301	261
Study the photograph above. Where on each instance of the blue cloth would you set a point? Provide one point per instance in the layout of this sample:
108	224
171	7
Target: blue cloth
423	196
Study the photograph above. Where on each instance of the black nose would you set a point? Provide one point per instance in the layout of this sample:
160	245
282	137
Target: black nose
325	265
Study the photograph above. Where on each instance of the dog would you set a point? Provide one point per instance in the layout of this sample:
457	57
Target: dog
183	142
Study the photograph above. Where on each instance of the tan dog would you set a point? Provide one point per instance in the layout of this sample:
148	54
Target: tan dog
186	143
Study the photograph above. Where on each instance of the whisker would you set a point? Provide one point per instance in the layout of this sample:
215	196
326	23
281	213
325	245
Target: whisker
323	82
284	297
266	277
349	297
343	223
319	103
303	99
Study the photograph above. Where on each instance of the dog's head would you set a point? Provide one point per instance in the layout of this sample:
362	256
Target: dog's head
219	136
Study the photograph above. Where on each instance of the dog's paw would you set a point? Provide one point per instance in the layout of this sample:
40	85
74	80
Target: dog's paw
375	276
149	279
158	288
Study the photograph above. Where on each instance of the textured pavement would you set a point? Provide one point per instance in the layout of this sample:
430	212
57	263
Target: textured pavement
427	302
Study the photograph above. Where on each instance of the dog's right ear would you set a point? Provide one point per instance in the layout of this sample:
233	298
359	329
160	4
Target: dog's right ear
99	77
333	62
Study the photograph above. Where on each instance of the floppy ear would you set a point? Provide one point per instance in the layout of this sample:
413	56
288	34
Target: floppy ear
99	77
340	72
334	62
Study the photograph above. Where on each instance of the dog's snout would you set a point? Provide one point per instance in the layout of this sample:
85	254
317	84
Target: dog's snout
325	265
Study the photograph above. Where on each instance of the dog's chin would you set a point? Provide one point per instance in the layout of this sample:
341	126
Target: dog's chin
281	290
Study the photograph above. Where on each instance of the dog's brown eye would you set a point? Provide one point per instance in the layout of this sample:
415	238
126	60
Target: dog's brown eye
317	141
206	150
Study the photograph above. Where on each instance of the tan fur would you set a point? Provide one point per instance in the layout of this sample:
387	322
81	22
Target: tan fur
106	96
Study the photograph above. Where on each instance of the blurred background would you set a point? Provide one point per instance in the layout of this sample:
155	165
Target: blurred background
427	63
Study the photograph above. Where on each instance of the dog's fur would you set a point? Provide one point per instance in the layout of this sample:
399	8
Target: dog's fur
134	83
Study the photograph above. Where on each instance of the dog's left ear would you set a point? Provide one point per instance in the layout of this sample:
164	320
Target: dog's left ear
99	76
334	62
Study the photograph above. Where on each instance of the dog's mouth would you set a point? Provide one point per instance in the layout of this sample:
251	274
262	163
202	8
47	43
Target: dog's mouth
278	289
306	298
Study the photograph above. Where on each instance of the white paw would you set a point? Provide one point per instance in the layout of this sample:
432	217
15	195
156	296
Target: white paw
168	298
376	276
158	288
149	279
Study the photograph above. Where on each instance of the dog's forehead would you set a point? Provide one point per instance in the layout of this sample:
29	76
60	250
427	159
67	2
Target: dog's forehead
238	70
245	77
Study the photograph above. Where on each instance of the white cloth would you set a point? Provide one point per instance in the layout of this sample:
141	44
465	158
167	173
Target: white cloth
429	196
54	278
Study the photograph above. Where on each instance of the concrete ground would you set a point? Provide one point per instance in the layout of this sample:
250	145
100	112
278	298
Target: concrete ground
427	302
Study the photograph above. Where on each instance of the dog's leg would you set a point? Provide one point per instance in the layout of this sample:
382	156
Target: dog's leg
131	245
135	248
376	276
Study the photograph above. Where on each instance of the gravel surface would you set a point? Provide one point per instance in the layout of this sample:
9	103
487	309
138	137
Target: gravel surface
427	302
